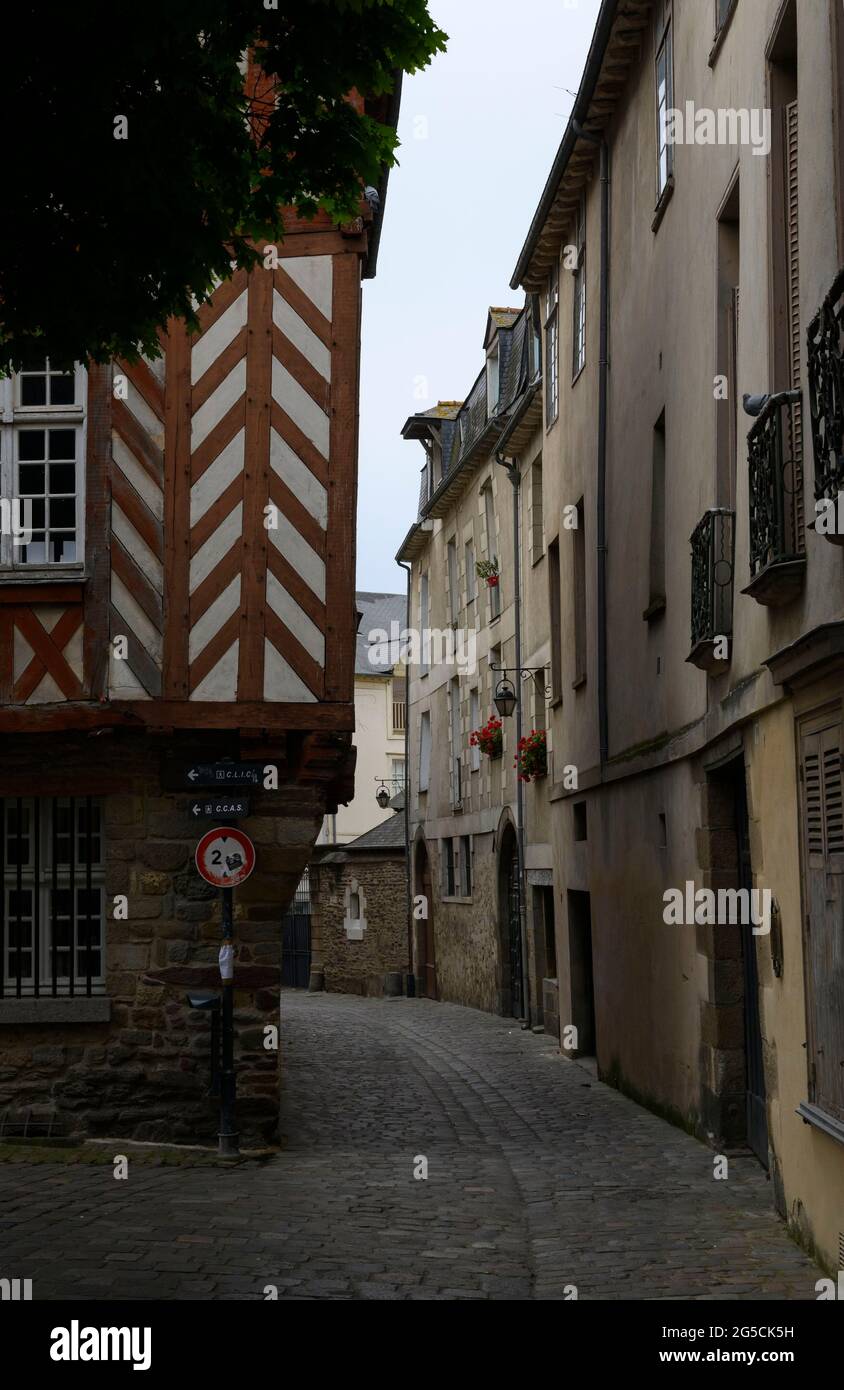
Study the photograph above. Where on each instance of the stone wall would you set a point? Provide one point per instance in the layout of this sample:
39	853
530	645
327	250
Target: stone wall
359	966
466	934
137	1062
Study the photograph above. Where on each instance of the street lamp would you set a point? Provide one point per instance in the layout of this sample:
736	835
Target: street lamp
382	796
505	698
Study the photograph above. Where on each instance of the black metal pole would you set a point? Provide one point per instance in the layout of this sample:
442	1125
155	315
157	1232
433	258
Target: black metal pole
228	1136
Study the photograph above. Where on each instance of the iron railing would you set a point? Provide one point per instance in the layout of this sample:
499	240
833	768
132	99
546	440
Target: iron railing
826	392
712	575
775	485
51	903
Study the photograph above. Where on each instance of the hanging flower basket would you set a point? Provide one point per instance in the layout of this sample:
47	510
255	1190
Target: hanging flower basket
488	570
489	738
531	760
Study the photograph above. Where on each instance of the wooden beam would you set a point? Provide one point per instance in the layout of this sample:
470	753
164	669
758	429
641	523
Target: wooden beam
198	716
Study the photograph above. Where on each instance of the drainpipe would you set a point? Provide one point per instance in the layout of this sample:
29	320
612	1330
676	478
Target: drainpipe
515	479
410	984
603	374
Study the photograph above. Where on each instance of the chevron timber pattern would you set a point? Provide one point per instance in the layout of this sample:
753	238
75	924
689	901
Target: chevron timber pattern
221	460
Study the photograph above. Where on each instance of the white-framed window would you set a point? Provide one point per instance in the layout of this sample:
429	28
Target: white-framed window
456	742
53	908
664	103
398	774
474	723
354	917
492	379
453	582
465	854
552	345
42	468
471	576
449	884
424	625
578	331
424	751
493	590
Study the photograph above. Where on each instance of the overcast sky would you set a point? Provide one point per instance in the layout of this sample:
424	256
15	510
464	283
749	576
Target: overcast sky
479	130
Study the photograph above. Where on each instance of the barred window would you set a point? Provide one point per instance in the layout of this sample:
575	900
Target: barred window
52	910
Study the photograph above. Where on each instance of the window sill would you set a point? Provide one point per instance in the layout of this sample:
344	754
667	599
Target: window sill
578	374
493	621
718	41
655	609
579	683
454	898
81	1008
812	1115
549	424
664	199
41	574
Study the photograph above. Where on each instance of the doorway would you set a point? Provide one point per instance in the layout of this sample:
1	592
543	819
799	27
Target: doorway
581	972
425	952
512	973
739	1113
296	938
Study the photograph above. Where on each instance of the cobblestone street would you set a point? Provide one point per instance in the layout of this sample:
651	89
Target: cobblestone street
538	1178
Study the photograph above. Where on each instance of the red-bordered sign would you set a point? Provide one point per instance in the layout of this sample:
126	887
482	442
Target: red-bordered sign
225	856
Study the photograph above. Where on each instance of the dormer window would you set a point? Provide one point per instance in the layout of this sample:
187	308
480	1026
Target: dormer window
42	454
492	382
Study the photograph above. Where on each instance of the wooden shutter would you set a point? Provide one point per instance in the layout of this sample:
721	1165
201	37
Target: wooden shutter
792	257
823	828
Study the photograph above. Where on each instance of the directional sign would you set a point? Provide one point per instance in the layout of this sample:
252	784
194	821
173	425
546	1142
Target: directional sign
227	774
225	856
219	808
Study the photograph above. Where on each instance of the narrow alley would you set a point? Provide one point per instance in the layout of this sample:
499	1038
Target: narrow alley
540	1181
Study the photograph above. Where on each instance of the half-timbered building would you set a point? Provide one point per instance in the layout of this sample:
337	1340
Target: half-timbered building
176	588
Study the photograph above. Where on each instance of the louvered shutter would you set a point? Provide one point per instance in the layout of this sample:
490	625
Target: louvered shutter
823	827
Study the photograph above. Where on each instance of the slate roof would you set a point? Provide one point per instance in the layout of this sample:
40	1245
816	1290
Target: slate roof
388	835
378	611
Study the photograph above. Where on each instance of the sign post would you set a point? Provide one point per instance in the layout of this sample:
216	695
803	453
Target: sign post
225	857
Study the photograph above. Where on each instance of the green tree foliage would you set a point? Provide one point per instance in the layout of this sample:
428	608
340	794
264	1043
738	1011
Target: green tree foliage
103	238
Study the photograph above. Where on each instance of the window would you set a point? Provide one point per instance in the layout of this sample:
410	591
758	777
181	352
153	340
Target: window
537	534
474	723
722	10
471	576
555	616
398	774
42	451
449	885
494	590
453	582
579	597
354	921
578	332
51	924
552	335
492	386
456	742
424	751
728	407
656	575
664	103
424	625
578	811
465	866
399	703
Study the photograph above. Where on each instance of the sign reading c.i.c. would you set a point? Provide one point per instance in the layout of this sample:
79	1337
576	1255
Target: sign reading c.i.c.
225	856
228	774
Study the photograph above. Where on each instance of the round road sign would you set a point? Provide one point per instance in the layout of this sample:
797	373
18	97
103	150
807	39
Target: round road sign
225	856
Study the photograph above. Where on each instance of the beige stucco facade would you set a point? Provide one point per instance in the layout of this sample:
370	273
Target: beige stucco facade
671	1002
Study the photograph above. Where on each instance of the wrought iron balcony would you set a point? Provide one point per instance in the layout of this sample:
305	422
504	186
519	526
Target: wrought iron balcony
712	590
777	548
826	398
